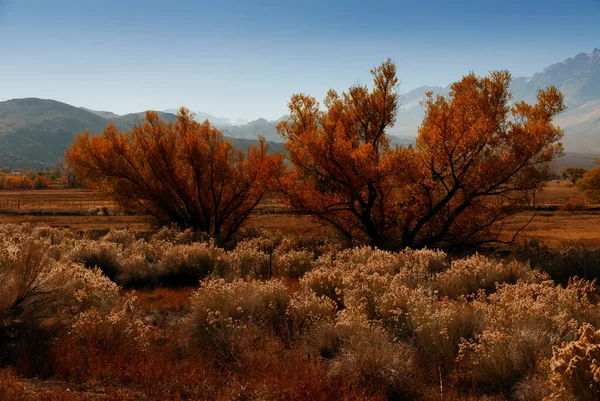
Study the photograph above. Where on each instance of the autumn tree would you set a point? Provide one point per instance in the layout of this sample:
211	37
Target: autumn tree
475	157
573	174
589	183
183	172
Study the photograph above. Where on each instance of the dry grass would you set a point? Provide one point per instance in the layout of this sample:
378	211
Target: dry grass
557	228
556	193
552	228
54	200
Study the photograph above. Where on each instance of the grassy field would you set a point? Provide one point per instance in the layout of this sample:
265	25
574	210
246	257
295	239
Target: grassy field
81	209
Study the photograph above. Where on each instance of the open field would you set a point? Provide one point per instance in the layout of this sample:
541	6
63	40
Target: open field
53	200
76	208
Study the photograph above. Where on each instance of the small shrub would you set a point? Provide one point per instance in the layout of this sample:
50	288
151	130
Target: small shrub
292	263
468	276
185	265
575	367
97	336
221	311
39	297
41	182
576	204
248	261
368	360
97	254
306	309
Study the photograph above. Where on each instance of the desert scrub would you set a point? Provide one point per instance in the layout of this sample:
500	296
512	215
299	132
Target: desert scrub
99	339
306	309
40	297
249	260
334	273
163	264
521	325
469	275
221	312
123	237
291	263
186	265
370	361
181	237
575	367
97	254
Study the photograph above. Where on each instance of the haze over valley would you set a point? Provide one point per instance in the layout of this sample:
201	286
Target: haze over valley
35	132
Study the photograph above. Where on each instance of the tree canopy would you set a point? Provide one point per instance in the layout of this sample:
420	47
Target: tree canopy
184	172
475	158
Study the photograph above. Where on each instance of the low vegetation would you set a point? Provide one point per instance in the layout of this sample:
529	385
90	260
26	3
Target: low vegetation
173	316
205	310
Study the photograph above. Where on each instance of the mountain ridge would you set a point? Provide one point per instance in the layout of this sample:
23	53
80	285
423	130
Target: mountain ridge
34	132
577	77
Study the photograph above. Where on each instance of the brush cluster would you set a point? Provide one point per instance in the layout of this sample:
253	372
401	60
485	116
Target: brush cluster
173	316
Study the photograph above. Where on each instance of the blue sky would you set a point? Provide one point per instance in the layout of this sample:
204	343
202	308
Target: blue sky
243	59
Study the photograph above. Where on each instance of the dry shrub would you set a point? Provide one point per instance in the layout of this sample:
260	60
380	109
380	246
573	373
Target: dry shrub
576	204
497	361
186	265
306	309
123	237
138	264
97	341
575	367
292	263
248	260
39	296
97	254
369	360
468	276
533	387
563	263
358	324
439	327
177	236
164	264
224	311
363	274
521	324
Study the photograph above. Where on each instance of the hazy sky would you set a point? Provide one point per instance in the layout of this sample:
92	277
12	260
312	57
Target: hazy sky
243	59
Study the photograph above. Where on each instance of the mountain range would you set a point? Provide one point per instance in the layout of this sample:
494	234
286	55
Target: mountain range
35	132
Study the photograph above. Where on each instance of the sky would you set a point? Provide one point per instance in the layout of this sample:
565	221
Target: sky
244	59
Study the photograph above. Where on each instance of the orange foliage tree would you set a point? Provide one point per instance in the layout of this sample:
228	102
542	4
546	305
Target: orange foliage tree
18	181
590	182
475	157
183	172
